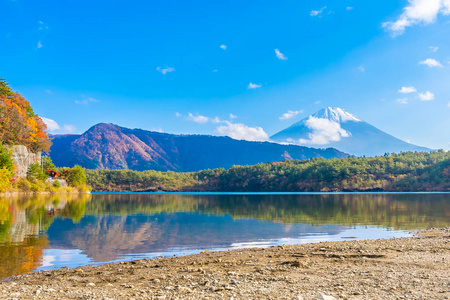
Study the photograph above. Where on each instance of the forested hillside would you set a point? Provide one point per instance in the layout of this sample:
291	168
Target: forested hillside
108	146
420	171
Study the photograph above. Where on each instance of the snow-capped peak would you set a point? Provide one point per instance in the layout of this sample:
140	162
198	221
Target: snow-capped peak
336	114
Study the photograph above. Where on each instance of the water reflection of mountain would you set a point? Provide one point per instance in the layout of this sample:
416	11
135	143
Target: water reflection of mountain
107	226
140	223
104	238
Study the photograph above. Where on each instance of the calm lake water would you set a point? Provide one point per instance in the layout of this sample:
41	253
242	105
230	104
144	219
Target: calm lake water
47	232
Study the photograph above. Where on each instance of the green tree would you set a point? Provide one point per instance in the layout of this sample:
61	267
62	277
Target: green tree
5	158
35	173
47	163
76	177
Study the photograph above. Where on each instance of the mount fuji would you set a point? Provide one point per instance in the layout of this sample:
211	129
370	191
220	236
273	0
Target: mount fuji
337	128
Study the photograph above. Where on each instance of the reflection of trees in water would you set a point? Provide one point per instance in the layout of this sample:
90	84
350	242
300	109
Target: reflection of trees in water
23	257
399	211
137	222
23	219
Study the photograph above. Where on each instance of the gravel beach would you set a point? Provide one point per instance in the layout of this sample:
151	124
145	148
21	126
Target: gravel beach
405	268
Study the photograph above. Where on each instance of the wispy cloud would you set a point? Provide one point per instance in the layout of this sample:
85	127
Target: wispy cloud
224	47
427	96
434	49
315	13
403	101
86	100
361	68
53	126
290	114
407	90
432	63
39	45
42	26
252	86
68	128
165	70
232	116
178	114
280	55
198	118
418	12
349	8
448	104
240	131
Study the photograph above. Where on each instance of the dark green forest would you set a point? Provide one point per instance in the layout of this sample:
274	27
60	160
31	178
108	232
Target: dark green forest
418	171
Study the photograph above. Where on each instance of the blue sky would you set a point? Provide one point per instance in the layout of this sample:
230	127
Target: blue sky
247	69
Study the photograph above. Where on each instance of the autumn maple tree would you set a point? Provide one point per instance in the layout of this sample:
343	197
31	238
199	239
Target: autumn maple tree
19	125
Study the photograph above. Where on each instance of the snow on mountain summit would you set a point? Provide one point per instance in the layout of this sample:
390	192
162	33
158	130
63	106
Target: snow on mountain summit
336	114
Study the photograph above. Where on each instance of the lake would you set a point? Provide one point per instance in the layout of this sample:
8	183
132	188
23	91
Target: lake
44	232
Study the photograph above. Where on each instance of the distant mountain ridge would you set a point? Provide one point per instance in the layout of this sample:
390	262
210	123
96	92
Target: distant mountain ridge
337	128
108	146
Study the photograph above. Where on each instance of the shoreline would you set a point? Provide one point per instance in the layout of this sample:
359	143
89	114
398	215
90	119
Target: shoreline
414	268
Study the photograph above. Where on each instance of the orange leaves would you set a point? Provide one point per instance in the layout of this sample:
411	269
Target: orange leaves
20	126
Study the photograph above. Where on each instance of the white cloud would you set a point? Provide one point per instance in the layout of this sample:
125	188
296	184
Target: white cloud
418	12
252	86
407	89
290	114
86	100
361	68
349	8
315	13
215	71
69	128
39	45
280	55
53	126
165	70
403	101
232	116
430	62
317	102
434	49
242	132
215	120
198	118
448	104
324	131
177	114
427	96
224	47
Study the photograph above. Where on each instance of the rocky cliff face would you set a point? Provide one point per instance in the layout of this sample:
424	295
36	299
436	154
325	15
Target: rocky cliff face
22	158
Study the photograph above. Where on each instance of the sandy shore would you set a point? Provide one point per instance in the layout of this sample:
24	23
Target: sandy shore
406	268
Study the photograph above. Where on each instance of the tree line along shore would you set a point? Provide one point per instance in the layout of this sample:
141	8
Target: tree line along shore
404	172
